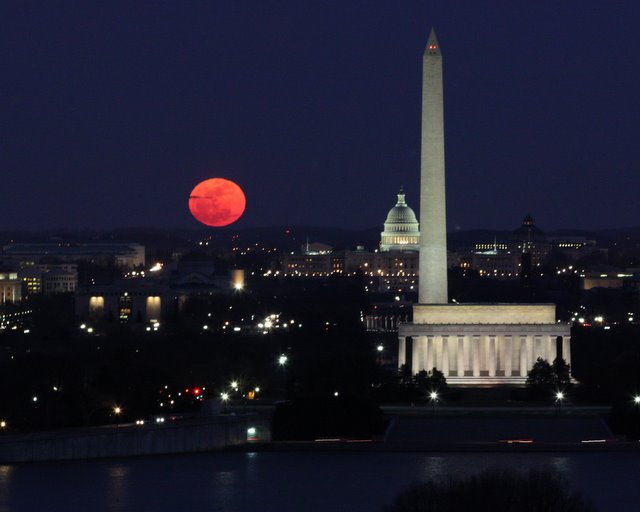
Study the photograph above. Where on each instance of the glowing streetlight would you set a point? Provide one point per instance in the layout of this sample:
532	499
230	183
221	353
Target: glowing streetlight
380	347
3	424
225	398
117	410
282	360
559	399
234	385
636	400
433	396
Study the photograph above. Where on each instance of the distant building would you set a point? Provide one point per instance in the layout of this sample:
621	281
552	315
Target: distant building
49	278
401	229
392	268
499	263
10	287
59	280
312	265
611	279
386	270
125	255
130	301
524	251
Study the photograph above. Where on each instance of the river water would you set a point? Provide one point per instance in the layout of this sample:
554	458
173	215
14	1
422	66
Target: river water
301	481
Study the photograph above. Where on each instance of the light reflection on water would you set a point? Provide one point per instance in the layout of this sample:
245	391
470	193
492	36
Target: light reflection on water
237	482
5	486
118	474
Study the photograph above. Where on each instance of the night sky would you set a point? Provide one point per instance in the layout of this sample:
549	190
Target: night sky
113	111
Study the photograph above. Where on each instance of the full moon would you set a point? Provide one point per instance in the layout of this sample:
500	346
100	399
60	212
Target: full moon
217	202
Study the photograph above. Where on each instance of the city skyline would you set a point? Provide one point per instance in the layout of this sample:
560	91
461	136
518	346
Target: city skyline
115	113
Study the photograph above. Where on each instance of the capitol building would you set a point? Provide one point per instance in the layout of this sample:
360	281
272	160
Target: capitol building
401	229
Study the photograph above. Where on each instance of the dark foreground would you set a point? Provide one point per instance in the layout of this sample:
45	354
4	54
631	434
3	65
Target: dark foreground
266	482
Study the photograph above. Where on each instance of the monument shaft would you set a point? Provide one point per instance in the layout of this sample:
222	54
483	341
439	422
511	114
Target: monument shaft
433	220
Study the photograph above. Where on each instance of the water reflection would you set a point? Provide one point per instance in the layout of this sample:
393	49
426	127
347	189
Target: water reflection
225	488
433	468
5	486
270	482
562	465
117	487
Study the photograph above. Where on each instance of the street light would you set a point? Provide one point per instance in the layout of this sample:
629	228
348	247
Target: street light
433	396
234	385
225	398
117	410
3	424
282	360
636	400
559	399
380	348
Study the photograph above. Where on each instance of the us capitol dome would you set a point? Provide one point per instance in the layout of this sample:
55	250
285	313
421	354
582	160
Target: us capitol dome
401	229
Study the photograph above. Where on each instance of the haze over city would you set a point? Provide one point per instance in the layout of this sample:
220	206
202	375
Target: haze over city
114	112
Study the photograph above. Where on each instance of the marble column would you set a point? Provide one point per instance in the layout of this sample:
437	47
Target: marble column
430	353
482	353
460	365
539	350
445	355
492	356
500	355
551	349
528	350
475	355
531	352
437	352
508	347
524	363
566	349
417	351
468	363
402	351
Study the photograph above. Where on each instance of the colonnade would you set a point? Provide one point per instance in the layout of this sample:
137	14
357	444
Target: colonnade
483	355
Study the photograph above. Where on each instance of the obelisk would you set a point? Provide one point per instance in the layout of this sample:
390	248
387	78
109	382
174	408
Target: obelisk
433	218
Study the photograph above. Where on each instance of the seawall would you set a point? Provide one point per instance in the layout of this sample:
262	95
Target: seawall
182	436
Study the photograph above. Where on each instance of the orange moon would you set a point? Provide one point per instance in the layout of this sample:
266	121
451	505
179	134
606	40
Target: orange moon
217	202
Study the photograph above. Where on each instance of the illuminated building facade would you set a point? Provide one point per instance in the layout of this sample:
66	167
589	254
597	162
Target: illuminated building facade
472	344
401	229
10	287
132	302
49	278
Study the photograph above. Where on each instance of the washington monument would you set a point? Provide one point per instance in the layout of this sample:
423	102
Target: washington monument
481	344
433	214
